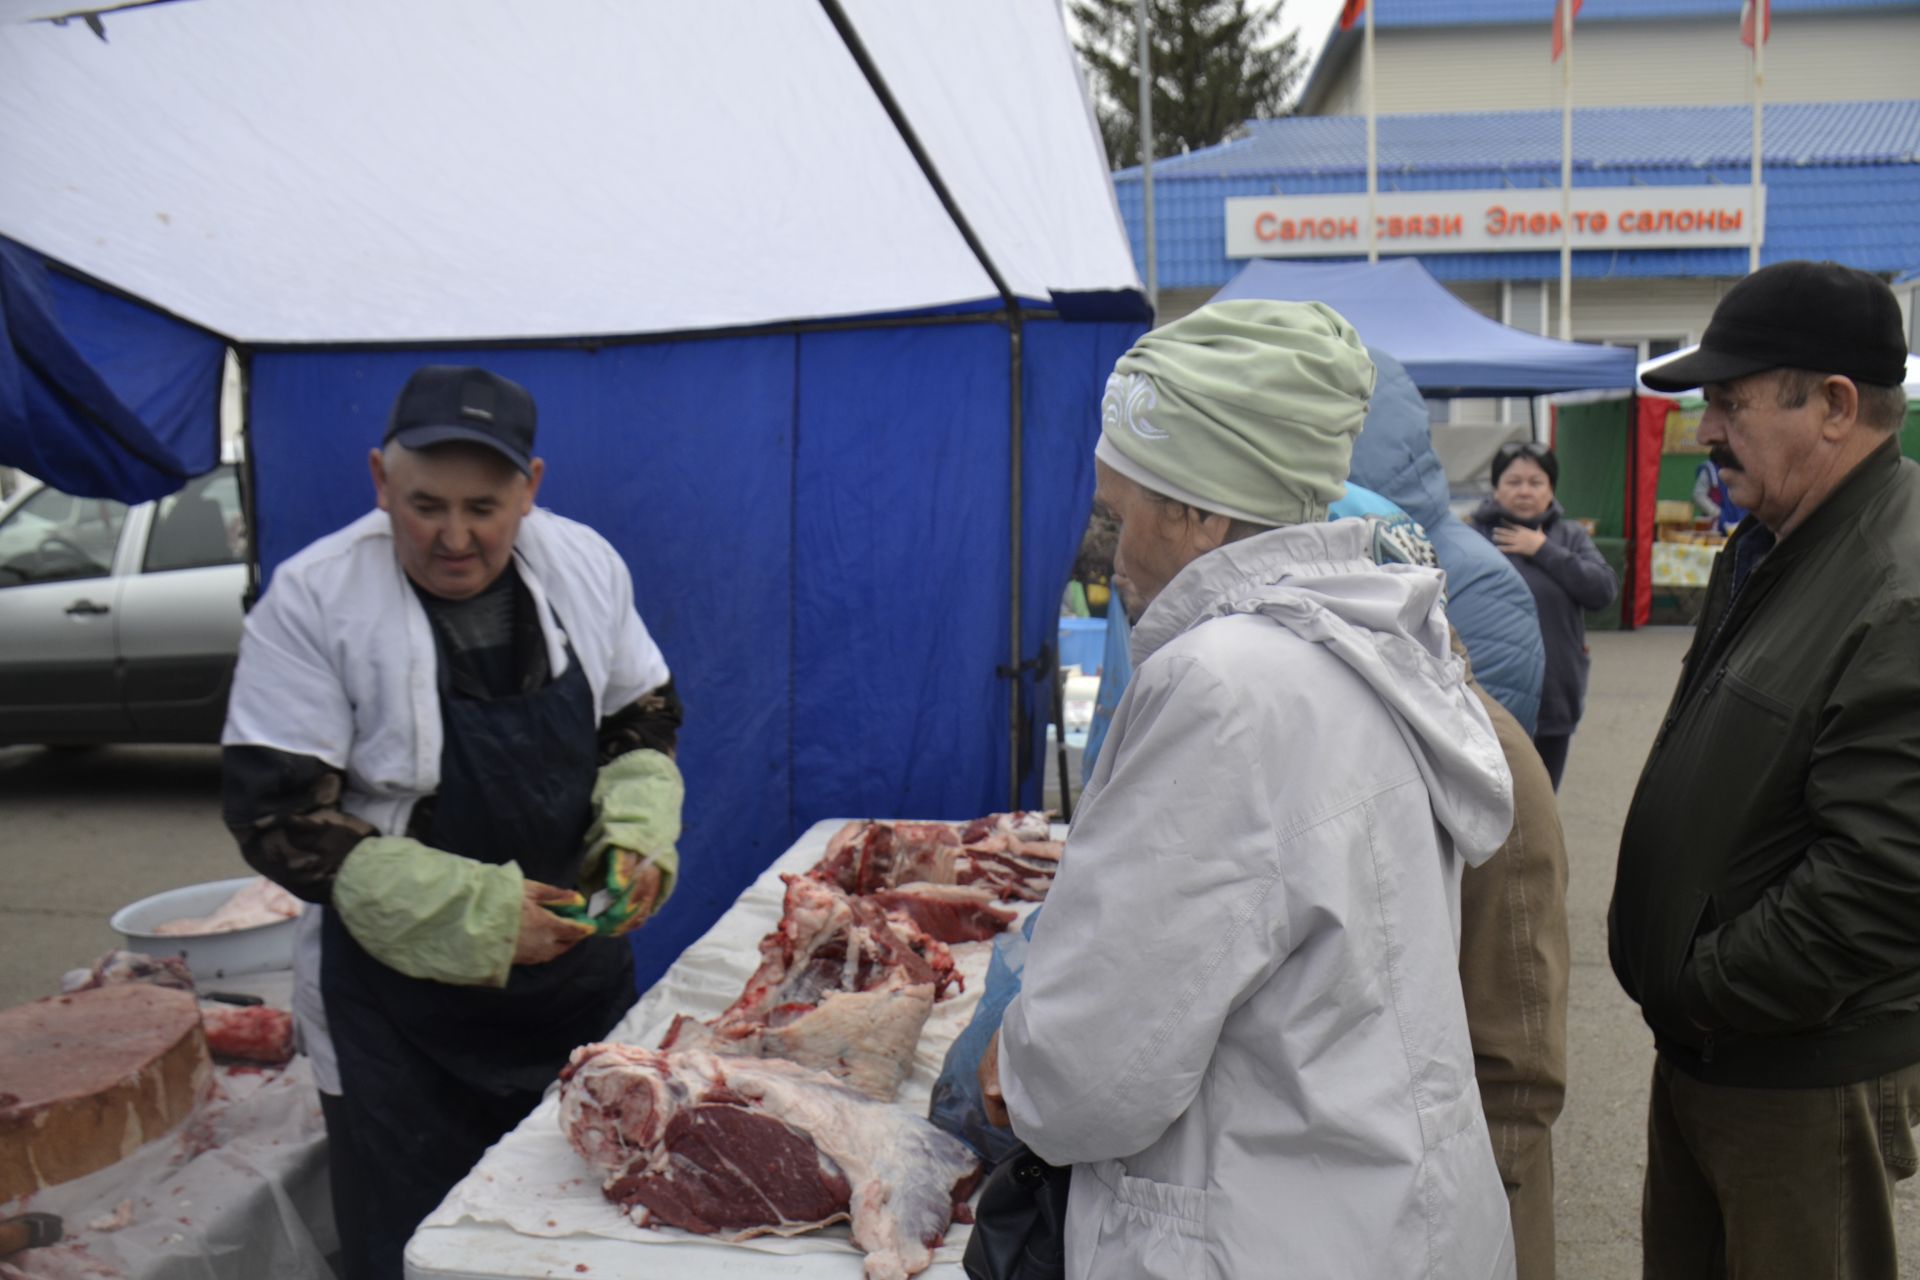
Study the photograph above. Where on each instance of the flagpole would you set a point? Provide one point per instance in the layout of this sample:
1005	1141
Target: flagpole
1373	144
1761	20
1566	174
1146	158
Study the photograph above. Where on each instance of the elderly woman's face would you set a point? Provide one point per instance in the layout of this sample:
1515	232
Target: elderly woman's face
1157	539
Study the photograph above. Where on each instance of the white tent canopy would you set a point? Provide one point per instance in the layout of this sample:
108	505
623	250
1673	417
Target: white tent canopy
373	171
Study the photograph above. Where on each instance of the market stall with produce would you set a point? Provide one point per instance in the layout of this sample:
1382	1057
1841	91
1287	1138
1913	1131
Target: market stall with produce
1632	464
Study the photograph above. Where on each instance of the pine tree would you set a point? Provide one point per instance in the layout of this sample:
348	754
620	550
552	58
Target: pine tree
1215	64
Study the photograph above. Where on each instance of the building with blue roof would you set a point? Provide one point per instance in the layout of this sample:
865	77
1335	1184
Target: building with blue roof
1492	55
1469	160
1842	179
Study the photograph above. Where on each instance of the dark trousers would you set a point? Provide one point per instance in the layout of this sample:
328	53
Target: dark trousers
349	1212
384	1183
1753	1184
1553	753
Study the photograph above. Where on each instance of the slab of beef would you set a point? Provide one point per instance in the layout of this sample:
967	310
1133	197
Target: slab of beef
1031	828
734	1148
865	856
844	986
949	912
1009	855
1011	868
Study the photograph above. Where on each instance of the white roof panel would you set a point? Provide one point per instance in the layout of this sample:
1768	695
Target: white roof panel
395	170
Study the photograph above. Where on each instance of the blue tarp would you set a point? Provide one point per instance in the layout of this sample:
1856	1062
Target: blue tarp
817	525
1448	348
99	396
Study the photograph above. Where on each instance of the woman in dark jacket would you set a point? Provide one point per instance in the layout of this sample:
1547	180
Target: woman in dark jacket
1564	570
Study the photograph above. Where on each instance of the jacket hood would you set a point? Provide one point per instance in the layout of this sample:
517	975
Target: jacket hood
1386	623
1393	455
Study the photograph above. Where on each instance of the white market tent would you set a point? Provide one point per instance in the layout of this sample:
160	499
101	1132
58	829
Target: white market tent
817	300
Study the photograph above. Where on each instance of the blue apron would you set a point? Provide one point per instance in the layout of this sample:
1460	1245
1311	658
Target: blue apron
431	1074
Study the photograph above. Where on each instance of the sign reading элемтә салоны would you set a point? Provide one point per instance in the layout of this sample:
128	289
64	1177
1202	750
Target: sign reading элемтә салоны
1500	221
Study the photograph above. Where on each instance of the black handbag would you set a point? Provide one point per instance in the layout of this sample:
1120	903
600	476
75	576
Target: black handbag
1020	1222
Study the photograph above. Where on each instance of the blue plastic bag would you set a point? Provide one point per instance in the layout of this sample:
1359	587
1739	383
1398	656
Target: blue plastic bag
957	1105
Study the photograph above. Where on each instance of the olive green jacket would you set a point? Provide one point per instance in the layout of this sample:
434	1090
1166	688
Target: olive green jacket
1766	909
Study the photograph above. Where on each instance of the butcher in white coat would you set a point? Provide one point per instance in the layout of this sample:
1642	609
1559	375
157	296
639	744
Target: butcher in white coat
1241	1019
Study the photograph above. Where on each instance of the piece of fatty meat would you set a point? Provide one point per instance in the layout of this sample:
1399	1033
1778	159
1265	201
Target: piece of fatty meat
735	1148
1009	855
862	857
843	986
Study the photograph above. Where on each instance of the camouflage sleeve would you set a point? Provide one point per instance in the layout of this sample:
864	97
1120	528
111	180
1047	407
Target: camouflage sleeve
284	809
652	720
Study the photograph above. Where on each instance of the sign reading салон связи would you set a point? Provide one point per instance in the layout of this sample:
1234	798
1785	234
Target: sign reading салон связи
1490	221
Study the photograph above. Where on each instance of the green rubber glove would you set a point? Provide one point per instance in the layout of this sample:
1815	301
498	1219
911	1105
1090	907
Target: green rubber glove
636	806
430	914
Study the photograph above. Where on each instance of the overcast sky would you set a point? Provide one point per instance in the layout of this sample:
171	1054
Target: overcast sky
1312	19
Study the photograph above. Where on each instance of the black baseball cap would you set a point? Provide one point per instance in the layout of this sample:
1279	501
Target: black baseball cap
443	403
1818	316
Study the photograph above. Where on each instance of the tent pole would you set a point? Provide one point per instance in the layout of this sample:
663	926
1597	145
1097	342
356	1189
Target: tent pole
1016	667
250	509
1016	720
1142	21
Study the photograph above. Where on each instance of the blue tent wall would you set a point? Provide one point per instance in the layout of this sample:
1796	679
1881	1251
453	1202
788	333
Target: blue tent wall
817	527
101	396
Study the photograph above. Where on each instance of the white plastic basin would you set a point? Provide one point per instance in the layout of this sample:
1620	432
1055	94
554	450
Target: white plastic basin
261	949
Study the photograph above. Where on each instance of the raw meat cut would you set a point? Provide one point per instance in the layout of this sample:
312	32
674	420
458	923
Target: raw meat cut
843	986
1011	868
1025	826
1008	854
88	1078
950	912
736	1147
865	856
258	902
259	1033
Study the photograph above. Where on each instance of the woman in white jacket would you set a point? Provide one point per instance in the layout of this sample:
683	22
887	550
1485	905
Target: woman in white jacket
1241	1016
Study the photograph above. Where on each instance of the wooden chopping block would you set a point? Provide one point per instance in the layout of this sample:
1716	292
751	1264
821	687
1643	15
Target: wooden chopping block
89	1078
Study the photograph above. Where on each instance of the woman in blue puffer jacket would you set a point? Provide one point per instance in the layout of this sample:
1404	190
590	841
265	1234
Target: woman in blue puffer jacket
1487	599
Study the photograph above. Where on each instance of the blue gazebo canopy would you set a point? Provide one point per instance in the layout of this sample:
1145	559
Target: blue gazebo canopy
1449	348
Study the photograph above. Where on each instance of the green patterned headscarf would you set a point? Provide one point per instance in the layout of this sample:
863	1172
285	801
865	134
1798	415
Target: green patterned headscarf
1246	408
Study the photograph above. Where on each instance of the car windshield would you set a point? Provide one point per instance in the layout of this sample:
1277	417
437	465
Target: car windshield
54	536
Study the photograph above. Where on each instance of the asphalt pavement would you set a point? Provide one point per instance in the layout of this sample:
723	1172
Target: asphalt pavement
85	832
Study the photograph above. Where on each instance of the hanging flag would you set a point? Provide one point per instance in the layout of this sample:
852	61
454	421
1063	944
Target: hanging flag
1350	13
1746	21
1560	26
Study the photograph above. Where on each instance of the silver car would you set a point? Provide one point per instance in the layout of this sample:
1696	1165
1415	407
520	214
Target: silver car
117	623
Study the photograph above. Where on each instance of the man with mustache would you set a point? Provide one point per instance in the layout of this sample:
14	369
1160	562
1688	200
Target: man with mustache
1766	910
